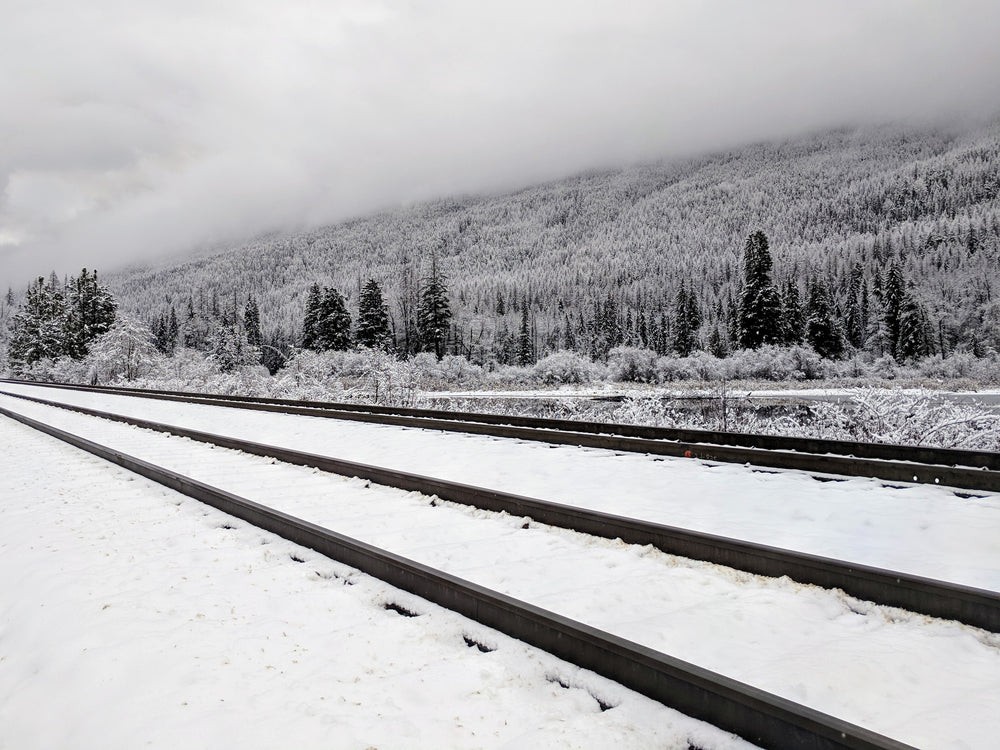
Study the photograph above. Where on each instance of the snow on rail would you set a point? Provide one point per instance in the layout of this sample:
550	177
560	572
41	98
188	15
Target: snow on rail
923	530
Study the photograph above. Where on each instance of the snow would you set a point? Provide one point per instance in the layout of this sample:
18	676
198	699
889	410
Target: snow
918	529
927	682
131	616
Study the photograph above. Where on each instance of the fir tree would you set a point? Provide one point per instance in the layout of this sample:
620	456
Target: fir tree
309	333
251	323
892	296
822	331
333	322
792	320
760	304
525	343
433	312
172	331
687	320
373	319
90	312
38	327
913	342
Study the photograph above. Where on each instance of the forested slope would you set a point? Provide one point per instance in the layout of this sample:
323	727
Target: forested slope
599	259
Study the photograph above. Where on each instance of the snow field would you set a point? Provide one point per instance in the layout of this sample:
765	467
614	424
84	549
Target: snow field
917	529
920	680
134	616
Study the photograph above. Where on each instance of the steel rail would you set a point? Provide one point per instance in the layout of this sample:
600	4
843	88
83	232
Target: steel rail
961	477
972	606
759	717
883	451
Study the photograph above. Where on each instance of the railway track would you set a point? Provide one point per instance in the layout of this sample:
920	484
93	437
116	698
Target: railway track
960	469
972	606
755	715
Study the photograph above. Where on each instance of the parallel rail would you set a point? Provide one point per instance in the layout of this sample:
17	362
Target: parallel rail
972	606
759	717
971	470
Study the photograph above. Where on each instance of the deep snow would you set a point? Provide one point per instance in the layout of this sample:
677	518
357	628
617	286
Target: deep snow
132	616
914	678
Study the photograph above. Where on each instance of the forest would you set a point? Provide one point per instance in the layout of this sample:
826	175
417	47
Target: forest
879	245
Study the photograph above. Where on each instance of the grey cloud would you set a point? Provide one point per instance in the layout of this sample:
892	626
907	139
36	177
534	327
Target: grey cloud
135	130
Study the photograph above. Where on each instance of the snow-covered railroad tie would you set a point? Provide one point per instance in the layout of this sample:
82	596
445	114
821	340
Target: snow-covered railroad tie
962	469
781	637
972	606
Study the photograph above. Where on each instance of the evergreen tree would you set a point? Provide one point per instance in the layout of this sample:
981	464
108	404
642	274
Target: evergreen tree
892	295
373	319
760	304
822	330
687	321
433	311
717	344
792	320
38	327
525	342
856	322
309	333
913	342
172	331
90	312
251	322
333	322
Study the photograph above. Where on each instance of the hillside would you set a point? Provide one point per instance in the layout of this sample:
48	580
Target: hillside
927	199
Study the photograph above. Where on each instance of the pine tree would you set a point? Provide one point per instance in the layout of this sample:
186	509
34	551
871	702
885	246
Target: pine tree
822	330
373	319
433	311
760	304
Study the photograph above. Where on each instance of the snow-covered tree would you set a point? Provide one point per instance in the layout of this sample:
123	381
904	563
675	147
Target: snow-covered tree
433	311
126	352
90	312
822	331
373	319
760	304
38	327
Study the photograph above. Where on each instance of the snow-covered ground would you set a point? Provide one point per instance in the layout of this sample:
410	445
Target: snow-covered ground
923	681
132	616
918	529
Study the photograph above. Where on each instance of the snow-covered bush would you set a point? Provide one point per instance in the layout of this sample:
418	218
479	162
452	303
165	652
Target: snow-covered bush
308	375
629	364
775	363
916	417
671	368
390	381
125	352
564	367
455	370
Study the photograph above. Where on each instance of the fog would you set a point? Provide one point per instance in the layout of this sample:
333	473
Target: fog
134	131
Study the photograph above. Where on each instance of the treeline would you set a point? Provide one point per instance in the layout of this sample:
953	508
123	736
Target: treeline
602	260
881	317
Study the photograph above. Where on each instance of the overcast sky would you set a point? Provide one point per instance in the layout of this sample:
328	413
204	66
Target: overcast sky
136	129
